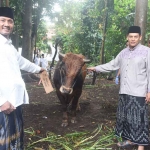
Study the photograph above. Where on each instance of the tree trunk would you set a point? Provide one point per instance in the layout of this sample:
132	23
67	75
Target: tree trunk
1	3
27	28
36	21
141	16
7	3
102	60
15	38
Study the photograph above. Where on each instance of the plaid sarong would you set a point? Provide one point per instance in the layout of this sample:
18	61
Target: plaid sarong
11	130
132	119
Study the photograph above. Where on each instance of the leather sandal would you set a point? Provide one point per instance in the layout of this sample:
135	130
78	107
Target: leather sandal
125	144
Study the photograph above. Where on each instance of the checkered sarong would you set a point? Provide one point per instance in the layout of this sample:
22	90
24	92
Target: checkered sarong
132	119
11	130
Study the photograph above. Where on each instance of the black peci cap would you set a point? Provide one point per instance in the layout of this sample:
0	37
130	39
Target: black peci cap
134	29
6	12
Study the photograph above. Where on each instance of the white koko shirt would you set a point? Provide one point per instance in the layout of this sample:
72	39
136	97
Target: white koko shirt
12	86
44	63
37	61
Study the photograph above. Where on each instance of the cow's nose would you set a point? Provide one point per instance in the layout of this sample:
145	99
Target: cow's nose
66	90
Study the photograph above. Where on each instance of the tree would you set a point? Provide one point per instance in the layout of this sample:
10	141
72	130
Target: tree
105	17
68	25
27	26
2	3
118	23
141	16
27	23
7	2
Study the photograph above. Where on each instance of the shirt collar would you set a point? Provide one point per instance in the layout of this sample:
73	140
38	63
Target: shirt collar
134	47
5	40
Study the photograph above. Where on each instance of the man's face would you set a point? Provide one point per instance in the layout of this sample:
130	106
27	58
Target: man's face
6	26
133	39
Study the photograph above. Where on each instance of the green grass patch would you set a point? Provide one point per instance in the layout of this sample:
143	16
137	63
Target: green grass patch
101	138
90	86
109	85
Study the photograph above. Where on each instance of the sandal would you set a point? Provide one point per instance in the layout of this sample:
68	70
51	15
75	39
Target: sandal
125	144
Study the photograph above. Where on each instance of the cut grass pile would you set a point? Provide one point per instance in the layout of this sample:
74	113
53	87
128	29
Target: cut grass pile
100	139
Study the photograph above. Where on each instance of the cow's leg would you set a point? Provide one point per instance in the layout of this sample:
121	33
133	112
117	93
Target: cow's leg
75	104
65	120
78	106
64	108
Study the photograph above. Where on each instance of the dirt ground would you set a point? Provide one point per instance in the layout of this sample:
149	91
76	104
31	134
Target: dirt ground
98	106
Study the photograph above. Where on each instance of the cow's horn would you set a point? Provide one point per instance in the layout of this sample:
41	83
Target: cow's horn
61	54
86	60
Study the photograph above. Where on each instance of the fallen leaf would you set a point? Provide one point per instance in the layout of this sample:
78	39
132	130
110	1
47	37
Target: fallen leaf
38	131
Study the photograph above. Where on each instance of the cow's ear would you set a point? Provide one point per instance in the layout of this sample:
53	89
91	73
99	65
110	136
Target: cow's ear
61	56
86	60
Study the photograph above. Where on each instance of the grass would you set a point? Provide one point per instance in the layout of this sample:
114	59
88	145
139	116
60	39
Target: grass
100	139
90	86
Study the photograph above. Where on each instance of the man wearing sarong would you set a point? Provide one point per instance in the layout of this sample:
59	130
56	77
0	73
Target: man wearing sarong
132	114
12	87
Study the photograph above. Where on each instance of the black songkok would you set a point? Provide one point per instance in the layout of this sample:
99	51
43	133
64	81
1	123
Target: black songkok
134	29
6	12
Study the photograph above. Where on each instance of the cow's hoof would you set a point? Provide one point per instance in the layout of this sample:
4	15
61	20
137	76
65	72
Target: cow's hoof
73	120
64	124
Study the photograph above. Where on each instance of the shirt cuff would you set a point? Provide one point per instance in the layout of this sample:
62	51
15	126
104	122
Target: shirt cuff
37	69
97	69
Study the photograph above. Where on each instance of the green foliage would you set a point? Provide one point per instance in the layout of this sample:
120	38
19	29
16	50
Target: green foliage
17	6
120	19
42	42
82	30
68	25
80	25
40	9
79	28
92	13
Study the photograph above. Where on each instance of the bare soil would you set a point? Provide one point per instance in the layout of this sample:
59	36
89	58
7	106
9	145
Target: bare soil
98	106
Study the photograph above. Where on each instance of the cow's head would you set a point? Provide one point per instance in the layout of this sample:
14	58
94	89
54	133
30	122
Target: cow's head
71	67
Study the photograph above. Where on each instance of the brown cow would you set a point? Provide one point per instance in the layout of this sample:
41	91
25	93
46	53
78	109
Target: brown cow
68	79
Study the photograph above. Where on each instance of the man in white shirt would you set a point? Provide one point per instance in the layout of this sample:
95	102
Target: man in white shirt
44	62
12	87
37	60
132	122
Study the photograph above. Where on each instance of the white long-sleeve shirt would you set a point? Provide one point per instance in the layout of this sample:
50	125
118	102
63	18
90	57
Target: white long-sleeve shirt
12	86
134	70
44	63
37	61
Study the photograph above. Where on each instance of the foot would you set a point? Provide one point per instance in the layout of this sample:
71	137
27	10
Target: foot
125	144
73	120
64	123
